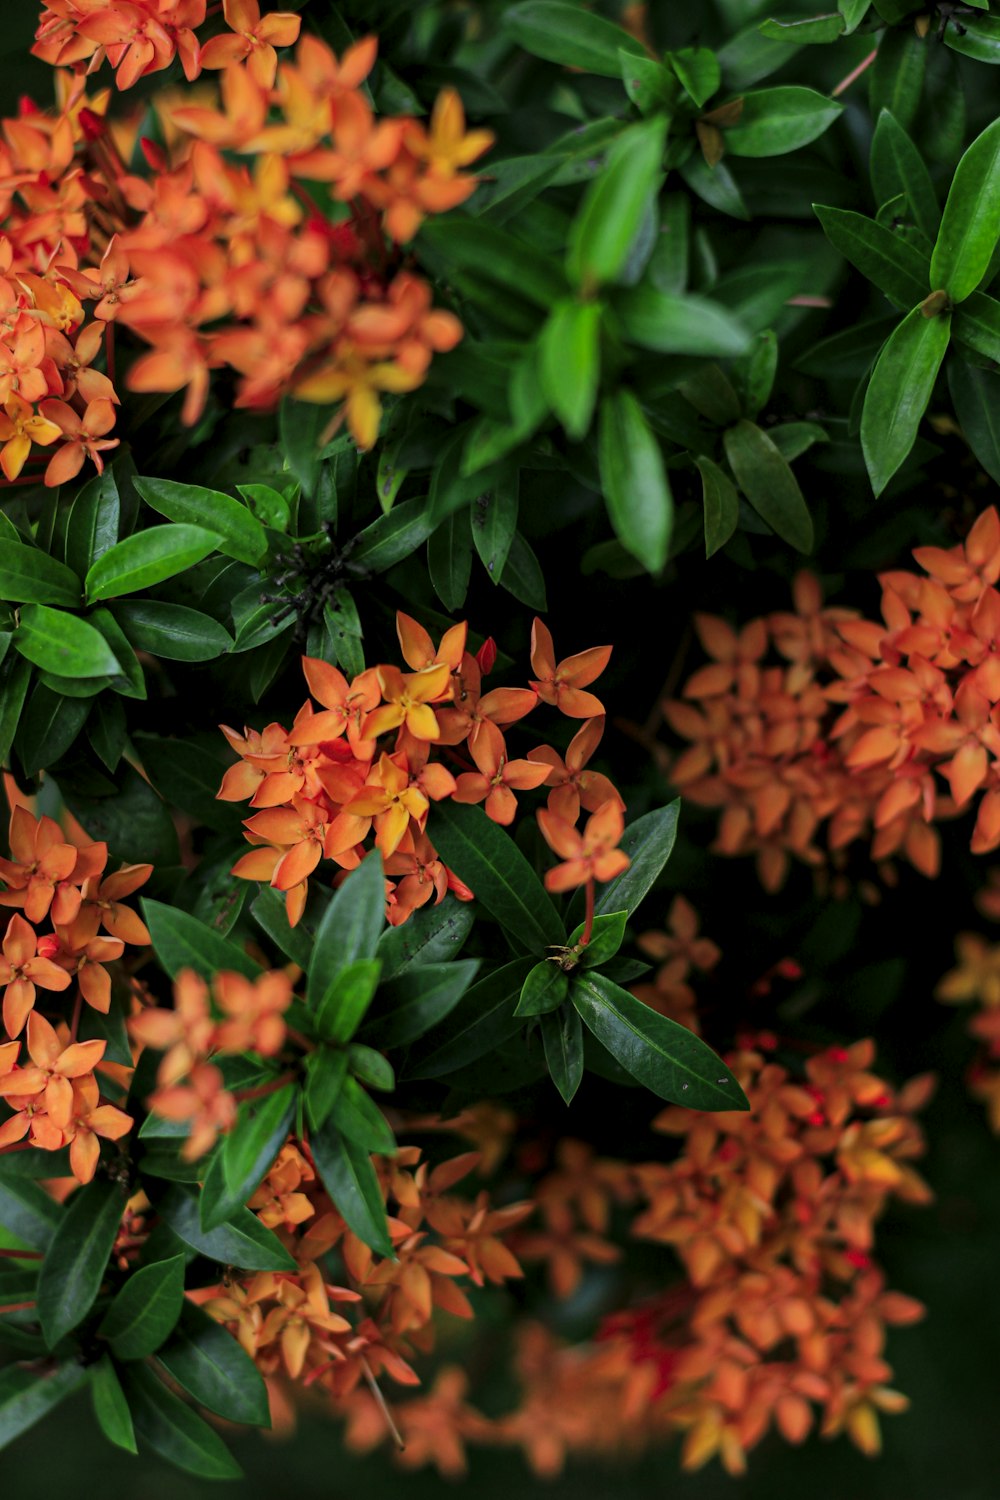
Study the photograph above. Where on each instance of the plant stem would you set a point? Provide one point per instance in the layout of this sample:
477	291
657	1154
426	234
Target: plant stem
854	75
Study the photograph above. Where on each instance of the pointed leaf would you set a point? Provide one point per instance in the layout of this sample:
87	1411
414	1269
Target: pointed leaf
564	33
28	576
243	1241
93	520
415	1001
487	859
899	392
483	1019
570	363
898	167
147	558
340	1011
77	1258
544	989
892	263
207	1362
350	927
611	213
679	325
348	1175
180	941
562	1039
431	935
970	225
240	534
360	1120
110	1405
27	1396
145	1310
173	1430
722	505
976	397
171	630
768	483
782	119
634	480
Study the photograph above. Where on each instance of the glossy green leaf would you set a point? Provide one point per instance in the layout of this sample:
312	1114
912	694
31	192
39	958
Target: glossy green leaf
899	392
570	363
970	224
243	1241
665	1057
94	520
522	574
977	37
892	263
606	938
416	1000
768	483
147	558
145	1309
431	935
173	1430
172	631
48	726
562	1039
611	213
722	505
898	167
544	989
360	1120
77	1258
853	12
977	324
395	536
28	576
350	927
483	1019
110	1405
814	29
348	1175
781	119
63	643
449	561
493	521
130	680
976	396
27	1210
240	534
564	33
634	480
180	941
248	1152
294	942
326	1070
716	186
15	679
486	858
649	843
650	85
679	325
269	506
342	1007
207	1362
26	1396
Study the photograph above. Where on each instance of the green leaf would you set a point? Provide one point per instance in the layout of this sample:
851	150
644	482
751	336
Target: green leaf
634	480
562	1039
976	397
395	536
110	1405
173	1430
207	1362
487	859
898	167
670	1060
48	727
431	935
649	843
28	576
977	37
326	1070
294	942
977	323
180	941
892	263
300	425
755	372
485	1018
768	483
899	391
493	519
77	1258
185	777
563	33
606	938
360	1120
350	927
94	520
340	1011
544	989
815	29
26	1396
698	71
970	225
792	439
63	643
679	325
134	822
897	78
497	255
145	1310
349	1177
171	631
650	85
129	681
370	1067
243	1241
781	119
522	574
415	1001
853	12
722	505
449	561
570	364
15	679
147	558
611	213
240	534
28	1211
268	505
247	1153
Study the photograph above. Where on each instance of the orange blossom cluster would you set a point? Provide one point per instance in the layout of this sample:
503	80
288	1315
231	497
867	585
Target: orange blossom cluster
323	786
52	1092
212	260
975	979
859	722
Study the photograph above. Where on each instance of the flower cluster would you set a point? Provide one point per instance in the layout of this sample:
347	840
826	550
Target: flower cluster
678	950
376	1313
250	1018
52	1090
862	721
975	980
285	267
323	786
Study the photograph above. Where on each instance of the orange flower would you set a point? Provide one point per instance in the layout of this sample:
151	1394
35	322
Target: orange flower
20	426
392	801
55	1064
102	906
408	697
203	1101
254	1011
562	685
21	969
497	778
92	1120
41	860
85	437
572	785
592	855
255	39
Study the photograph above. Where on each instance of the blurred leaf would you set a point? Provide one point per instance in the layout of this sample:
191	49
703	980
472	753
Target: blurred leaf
634	480
976	394
570	363
698	70
782	119
897	78
564	33
110	1405
26	1396
722	505
611	213
769	484
814	29
180	941
134	822
173	1430
679	325
449	561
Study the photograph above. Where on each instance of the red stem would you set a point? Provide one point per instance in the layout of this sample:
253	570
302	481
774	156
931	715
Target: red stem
854	75
9	1307
21	1255
265	1088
